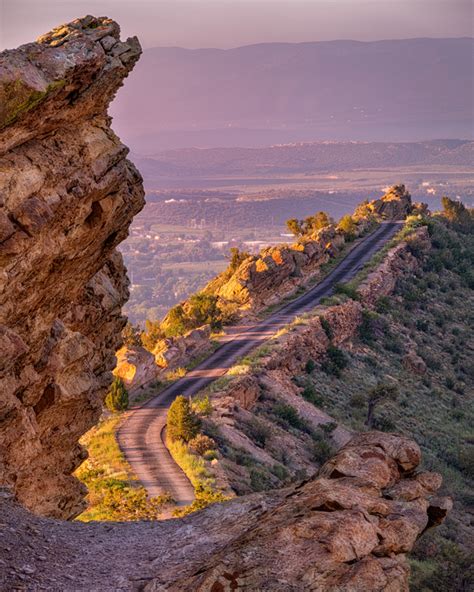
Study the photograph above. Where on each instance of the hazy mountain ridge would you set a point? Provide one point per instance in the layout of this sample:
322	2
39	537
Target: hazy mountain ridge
322	89
306	157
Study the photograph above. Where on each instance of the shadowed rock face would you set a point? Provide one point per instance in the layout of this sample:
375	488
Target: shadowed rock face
67	197
347	530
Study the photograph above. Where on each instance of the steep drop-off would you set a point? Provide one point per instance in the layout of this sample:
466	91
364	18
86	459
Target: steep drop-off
67	197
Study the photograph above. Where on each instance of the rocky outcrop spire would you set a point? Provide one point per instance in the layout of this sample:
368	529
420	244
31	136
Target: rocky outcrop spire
67	197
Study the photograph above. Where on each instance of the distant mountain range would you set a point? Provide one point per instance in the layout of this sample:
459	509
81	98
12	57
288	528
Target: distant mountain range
400	90
304	158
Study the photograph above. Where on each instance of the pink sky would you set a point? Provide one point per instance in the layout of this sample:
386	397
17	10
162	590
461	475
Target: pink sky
230	23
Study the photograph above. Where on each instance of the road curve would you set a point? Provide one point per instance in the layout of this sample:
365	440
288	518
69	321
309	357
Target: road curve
141	436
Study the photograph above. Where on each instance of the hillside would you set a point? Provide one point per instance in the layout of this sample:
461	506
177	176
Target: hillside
406	330
311	157
401	90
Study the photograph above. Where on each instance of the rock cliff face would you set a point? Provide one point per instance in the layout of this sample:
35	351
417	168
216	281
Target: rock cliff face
67	197
348	530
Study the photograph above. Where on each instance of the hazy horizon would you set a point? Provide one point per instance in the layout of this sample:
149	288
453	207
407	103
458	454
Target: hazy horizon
226	24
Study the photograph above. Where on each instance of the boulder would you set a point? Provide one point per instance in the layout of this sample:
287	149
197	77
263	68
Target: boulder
135	366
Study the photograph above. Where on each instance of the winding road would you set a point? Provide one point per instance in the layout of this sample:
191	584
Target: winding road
141	436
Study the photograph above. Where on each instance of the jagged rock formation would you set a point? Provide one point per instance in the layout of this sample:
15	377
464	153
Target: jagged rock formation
396	204
135	366
178	351
278	271
67	197
138	367
349	530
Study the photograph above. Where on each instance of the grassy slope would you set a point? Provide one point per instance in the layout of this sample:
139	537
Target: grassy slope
114	493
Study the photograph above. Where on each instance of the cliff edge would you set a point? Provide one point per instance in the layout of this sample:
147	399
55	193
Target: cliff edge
67	197
348	530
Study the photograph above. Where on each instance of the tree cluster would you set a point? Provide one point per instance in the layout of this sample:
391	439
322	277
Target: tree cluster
309	225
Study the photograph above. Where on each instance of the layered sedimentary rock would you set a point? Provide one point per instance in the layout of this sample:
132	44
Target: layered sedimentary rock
67	197
348	530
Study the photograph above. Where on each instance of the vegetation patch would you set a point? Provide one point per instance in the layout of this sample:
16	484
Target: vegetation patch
114	493
193	451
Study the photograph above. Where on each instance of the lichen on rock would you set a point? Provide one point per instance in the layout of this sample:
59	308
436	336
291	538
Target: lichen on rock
67	197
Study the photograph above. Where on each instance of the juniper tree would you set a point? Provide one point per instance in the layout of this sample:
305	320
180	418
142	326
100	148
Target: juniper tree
117	397
182	423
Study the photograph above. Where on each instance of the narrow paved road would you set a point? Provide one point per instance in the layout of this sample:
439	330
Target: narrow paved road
141	436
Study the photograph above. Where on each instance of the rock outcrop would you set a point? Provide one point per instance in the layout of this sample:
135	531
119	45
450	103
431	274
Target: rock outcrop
136	366
139	368
349	529
174	352
277	272
67	197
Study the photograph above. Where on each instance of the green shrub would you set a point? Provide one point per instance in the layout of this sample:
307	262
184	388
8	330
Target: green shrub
392	344
322	451
201	444
370	361
289	416
132	503
383	305
176	322
309	394
367	327
117	397
202	309
182	423
348	226
257	431
326	327
384	424
210	455
422	325
280	472
152	335
205	496
237	257
379	394
310	366
329	427
259	479
347	290
358	400
335	361
201	404
449	382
